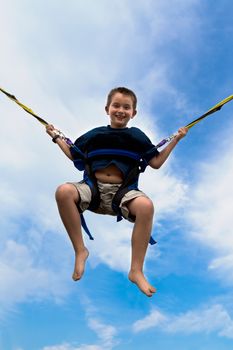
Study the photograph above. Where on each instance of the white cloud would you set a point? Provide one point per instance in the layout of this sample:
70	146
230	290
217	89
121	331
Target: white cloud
212	319
67	346
62	71
154	319
210	210
105	333
207	320
28	151
22	278
224	266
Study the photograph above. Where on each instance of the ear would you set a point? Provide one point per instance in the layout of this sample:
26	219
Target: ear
134	113
106	109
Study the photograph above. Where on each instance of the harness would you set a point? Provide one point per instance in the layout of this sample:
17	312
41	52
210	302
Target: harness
129	183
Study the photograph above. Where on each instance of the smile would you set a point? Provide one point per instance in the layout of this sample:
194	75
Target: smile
120	116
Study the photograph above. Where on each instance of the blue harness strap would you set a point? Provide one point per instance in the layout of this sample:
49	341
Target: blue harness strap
152	241
84	226
130	182
114	151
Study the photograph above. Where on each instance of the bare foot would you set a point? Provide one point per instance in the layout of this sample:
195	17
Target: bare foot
139	279
80	260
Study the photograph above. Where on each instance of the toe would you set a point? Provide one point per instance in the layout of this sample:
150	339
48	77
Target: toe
76	276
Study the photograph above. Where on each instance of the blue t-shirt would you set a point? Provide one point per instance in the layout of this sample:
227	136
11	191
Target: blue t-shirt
105	137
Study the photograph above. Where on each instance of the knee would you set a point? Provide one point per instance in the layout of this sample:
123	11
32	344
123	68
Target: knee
66	191
147	206
144	207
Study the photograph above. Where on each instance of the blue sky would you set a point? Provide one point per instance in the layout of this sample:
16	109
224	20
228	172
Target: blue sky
61	59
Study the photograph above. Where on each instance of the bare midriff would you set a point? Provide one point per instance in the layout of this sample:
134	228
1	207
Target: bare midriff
110	174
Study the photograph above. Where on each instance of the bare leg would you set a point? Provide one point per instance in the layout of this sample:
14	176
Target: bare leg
142	208
67	196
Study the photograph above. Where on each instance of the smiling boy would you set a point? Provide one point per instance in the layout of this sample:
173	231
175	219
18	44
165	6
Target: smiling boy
114	147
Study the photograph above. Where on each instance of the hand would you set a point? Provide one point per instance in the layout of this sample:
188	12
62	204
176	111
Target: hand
182	133
50	129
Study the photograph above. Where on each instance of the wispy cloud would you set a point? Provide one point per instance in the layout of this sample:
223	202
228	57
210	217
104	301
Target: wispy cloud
67	346
212	319
154	319
106	334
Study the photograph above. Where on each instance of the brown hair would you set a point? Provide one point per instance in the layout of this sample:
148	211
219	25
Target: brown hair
122	90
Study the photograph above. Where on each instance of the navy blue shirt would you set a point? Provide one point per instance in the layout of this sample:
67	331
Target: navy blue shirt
105	137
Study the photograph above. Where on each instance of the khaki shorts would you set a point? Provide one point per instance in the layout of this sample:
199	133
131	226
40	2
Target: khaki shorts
107	192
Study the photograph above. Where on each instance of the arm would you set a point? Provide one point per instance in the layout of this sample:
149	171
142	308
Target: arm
59	141
157	162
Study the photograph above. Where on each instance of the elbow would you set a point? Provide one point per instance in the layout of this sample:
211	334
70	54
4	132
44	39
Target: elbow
156	165
156	162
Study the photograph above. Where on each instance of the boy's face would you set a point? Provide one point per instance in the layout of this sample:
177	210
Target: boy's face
120	110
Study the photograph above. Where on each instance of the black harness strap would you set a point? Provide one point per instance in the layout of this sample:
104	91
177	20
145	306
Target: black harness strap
130	183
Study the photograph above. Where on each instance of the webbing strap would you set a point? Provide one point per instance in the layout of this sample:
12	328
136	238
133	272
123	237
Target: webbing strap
84	226
114	151
152	241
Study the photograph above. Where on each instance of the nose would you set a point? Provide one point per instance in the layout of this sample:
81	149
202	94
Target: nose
121	109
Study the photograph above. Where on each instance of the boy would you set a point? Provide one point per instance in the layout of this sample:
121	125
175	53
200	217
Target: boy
109	172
